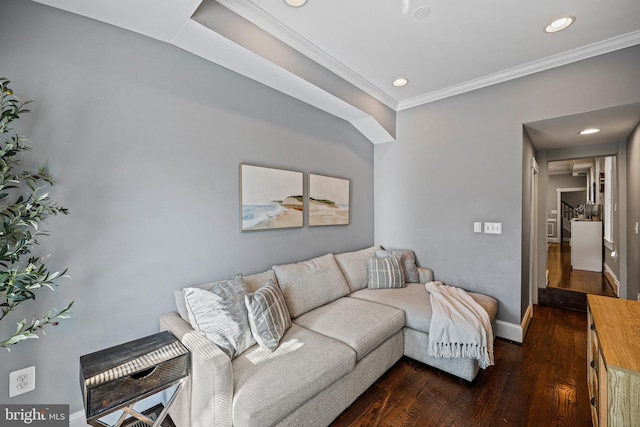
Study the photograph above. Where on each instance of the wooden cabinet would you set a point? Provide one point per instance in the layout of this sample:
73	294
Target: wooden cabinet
613	361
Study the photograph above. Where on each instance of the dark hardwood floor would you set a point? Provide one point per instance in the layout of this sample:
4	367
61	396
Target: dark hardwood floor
568	288
539	383
562	276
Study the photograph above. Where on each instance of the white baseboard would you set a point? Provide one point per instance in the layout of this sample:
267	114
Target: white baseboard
509	331
77	419
526	320
607	269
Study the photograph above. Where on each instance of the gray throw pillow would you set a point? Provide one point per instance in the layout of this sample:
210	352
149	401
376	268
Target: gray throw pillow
385	273
408	259
220	313
268	315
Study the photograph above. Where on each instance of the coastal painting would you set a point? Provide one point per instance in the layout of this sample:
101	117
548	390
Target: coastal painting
271	198
328	200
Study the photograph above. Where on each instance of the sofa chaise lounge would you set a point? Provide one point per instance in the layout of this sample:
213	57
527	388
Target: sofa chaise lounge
343	337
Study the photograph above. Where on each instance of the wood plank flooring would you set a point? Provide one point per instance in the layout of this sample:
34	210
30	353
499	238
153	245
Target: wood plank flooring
562	276
568	288
539	383
563	298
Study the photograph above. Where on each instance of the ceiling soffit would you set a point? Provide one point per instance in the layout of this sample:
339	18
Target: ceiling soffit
310	74
247	35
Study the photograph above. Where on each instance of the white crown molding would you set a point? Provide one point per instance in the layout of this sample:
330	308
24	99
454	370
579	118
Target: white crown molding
585	52
268	23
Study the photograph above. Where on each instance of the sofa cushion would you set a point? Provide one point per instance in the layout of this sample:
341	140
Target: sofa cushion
257	280
385	273
354	266
268	315
269	386
360	324
220	314
414	300
253	282
310	284
408	263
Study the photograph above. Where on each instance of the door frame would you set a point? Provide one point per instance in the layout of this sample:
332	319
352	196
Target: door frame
533	234
559	192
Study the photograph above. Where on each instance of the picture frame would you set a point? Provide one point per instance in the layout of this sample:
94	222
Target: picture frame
329	200
270	198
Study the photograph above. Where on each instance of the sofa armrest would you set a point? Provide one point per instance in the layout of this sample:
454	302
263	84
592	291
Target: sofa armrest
206	400
426	274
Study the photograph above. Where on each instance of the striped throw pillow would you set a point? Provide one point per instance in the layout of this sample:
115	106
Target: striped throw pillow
408	259
268	315
385	273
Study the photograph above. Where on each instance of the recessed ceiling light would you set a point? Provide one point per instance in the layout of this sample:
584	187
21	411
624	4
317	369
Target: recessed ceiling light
295	3
421	12
400	82
560	24
589	131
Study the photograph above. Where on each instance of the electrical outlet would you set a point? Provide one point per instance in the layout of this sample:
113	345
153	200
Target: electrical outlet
638	298
22	381
493	228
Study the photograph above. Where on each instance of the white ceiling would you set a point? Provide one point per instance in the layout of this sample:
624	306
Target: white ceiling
615	123
460	46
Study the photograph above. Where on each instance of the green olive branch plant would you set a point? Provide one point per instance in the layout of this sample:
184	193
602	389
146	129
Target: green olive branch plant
24	204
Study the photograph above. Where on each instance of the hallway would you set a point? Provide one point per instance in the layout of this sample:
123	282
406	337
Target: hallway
563	277
568	288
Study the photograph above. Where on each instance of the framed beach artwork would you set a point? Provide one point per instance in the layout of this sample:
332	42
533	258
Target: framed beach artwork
271	198
328	200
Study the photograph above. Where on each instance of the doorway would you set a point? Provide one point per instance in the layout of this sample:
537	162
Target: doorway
568	202
575	191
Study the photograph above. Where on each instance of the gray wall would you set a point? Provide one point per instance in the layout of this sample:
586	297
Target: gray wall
145	141
633	213
563	181
575	198
459	160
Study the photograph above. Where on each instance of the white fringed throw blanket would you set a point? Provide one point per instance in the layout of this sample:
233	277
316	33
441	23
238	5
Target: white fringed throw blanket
460	327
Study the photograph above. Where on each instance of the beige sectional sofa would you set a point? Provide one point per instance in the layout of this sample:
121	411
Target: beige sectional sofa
343	337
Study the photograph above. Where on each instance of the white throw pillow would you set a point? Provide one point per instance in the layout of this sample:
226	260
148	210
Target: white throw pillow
220	313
